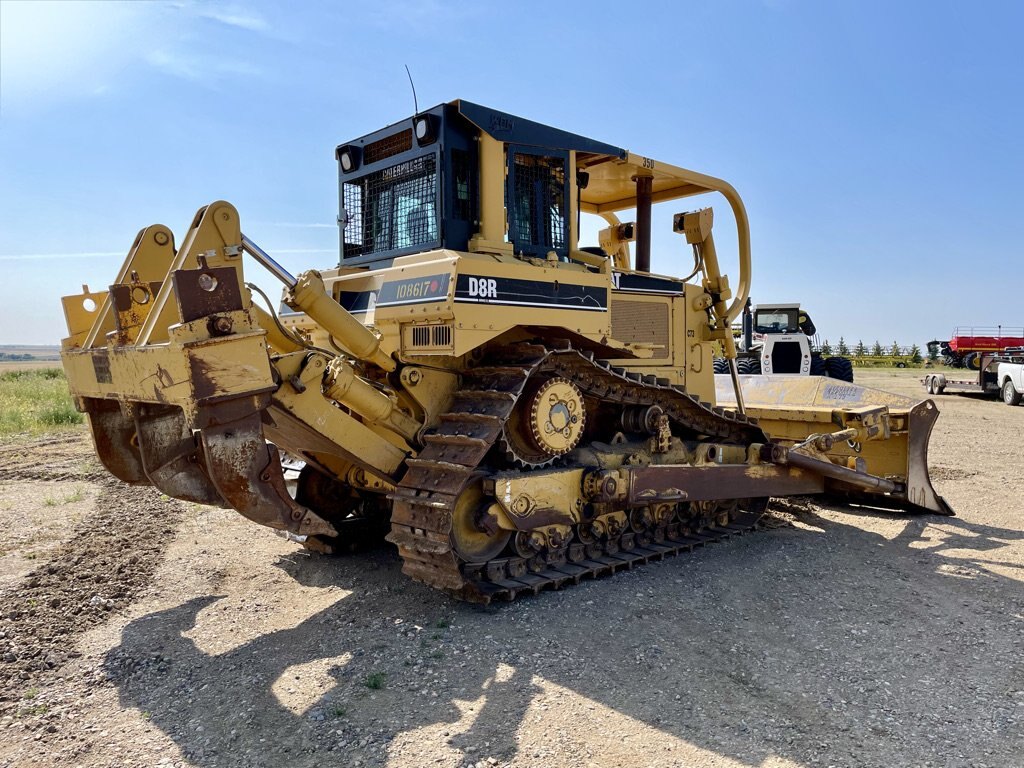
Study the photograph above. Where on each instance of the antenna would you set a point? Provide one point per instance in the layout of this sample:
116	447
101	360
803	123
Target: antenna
415	103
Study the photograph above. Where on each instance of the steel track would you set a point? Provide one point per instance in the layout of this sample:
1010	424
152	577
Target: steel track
422	503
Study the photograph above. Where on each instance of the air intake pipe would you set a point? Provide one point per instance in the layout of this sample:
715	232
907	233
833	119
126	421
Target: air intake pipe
644	187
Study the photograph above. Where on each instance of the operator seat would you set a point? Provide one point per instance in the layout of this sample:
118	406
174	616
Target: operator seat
417	225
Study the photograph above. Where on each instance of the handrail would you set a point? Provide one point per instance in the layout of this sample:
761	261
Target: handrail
673	183
996	331
743	235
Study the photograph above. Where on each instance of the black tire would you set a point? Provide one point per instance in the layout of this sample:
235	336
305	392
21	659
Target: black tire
754	366
901	364
818	366
1010	394
839	368
929	385
721	365
973	361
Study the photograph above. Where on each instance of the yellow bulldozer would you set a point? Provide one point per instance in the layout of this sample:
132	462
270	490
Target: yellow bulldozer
512	410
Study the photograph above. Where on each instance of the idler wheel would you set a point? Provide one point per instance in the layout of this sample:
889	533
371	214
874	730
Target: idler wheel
475	535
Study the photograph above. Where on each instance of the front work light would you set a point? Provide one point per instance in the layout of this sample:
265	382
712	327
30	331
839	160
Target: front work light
348	158
423	127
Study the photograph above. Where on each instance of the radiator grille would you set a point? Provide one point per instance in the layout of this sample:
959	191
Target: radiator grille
441	335
786	357
430	337
641	322
421	336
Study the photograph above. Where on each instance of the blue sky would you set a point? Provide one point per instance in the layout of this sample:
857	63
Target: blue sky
877	145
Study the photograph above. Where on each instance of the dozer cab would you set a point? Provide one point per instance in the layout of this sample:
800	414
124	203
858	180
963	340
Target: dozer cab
513	410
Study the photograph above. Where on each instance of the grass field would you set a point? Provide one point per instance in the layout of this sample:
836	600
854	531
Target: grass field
35	401
6	366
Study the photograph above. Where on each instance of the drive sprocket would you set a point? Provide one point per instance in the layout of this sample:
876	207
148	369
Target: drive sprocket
547	423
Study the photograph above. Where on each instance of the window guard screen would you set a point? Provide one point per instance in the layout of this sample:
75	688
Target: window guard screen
462	189
390	209
537	212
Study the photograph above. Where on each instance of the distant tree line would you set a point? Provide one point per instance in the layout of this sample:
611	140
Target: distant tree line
14	356
911	353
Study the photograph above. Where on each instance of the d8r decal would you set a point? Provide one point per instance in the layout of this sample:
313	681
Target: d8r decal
553	294
483	288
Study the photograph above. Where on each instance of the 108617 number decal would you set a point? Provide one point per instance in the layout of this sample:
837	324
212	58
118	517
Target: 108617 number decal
414	290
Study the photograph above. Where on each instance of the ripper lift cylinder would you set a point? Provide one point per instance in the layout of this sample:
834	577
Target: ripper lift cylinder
308	294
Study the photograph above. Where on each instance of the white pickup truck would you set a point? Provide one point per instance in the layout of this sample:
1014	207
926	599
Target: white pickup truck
1000	374
1010	376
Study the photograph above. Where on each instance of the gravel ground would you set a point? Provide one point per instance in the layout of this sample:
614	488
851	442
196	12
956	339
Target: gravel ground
139	631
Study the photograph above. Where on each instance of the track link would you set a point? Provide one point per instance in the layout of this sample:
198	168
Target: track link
422	503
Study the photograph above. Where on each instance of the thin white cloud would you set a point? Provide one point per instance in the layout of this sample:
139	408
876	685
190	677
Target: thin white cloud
272	251
423	16
121	254
173	64
294	225
53	51
46	256
233	17
199	67
46	58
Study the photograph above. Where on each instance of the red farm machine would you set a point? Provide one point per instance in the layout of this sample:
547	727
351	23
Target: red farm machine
967	344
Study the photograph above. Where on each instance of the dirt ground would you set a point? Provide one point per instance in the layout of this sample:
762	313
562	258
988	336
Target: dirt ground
141	631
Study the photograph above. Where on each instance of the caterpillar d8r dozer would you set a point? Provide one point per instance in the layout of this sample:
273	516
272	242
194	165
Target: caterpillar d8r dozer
513	410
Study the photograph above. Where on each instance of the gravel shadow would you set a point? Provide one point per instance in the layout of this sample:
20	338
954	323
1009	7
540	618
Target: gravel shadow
830	645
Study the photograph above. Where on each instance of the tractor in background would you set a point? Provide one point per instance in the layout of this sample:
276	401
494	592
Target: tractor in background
781	339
